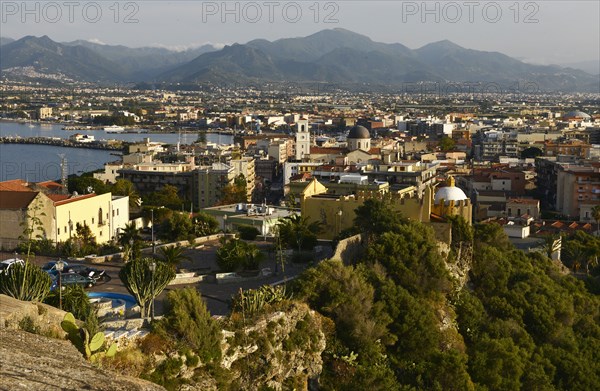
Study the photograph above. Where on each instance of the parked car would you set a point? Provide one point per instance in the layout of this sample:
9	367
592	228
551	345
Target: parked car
50	267
7	264
84	270
73	279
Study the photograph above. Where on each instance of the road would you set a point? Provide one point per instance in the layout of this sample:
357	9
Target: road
201	260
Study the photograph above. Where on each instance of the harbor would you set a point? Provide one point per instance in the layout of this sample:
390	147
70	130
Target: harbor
60	142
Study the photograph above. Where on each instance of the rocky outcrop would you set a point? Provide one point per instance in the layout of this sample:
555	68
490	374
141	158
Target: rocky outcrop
278	349
42	316
460	266
33	362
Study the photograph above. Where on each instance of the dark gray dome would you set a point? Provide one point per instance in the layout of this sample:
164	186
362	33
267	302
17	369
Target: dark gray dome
577	114
359	132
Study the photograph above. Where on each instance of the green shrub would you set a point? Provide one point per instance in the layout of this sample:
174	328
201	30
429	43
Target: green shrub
236	254
25	282
188	324
29	325
248	232
74	300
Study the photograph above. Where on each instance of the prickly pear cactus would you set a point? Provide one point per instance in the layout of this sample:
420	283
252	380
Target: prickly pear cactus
90	347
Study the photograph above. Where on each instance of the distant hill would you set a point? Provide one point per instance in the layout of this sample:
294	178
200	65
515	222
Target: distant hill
334	56
47	56
143	63
341	56
592	67
5	40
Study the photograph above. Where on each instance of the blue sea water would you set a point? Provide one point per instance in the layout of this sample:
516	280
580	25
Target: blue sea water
38	163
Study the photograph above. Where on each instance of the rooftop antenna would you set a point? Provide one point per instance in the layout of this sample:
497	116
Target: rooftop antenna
64	178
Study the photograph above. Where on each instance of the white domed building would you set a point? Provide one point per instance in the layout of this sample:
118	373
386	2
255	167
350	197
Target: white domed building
359	138
452	201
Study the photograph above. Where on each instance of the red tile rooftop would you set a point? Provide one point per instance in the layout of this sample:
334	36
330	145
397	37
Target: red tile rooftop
73	199
14	185
327	150
51	185
58	197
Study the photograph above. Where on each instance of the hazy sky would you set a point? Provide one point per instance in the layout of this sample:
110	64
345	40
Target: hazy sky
538	31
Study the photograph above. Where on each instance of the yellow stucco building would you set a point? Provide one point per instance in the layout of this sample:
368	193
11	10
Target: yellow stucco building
336	213
58	214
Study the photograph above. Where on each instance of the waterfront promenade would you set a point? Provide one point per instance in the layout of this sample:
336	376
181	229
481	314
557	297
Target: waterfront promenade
59	142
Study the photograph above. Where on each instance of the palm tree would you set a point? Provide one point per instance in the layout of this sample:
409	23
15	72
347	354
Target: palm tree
596	216
130	239
172	255
123	187
296	230
129	235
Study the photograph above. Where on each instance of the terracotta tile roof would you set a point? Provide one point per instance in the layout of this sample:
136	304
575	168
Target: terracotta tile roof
327	150
16	199
58	197
557	224
50	185
73	199
14	185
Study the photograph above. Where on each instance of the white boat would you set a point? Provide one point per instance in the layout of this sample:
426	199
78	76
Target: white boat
114	129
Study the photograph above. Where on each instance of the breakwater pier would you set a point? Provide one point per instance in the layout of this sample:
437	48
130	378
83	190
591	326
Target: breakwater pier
59	142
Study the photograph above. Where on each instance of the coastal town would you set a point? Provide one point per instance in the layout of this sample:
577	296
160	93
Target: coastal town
314	213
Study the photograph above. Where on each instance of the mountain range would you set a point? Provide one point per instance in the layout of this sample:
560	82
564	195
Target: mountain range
336	56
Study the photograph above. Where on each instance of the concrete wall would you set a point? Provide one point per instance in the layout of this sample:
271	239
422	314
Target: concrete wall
12	221
349	250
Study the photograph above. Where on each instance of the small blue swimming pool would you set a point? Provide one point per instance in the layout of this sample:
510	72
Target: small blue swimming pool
128	299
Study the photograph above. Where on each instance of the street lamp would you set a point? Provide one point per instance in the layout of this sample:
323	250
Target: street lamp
152	270
70	226
153	244
340	213
59	266
224	222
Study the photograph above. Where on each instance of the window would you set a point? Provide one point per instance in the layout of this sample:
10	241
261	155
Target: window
509	211
93	221
58	232
99	217
117	212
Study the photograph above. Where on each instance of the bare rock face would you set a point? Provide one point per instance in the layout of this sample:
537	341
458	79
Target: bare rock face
280	349
32	362
46	317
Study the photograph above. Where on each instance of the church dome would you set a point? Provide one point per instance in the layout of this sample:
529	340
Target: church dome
576	114
449	193
359	132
